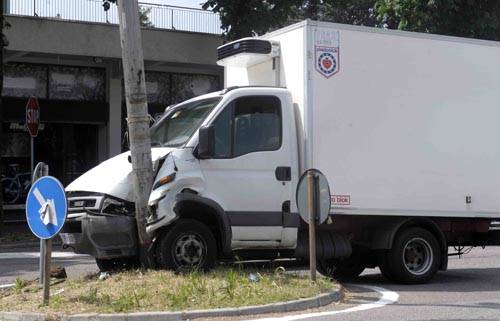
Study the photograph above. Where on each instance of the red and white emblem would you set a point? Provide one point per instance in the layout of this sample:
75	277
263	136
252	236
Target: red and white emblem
327	60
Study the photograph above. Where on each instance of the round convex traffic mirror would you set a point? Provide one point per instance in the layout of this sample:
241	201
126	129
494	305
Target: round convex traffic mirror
318	200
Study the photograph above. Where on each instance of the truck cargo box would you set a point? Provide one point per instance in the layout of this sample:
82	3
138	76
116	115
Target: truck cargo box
400	123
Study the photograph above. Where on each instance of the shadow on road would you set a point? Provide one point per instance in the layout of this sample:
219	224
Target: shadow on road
455	280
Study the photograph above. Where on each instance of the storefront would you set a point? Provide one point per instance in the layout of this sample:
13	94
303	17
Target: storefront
74	114
72	107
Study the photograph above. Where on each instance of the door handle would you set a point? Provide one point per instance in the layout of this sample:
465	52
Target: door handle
283	173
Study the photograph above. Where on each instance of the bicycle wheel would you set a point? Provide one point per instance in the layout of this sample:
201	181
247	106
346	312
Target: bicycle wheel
11	190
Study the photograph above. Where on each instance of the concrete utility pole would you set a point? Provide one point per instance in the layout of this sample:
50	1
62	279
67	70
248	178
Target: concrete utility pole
137	117
2	45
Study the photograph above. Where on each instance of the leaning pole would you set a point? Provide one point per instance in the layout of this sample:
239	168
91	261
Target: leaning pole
137	117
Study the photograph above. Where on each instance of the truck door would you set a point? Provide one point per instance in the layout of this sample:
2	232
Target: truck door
250	174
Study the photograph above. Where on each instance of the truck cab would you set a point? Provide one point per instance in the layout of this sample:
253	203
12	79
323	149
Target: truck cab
226	167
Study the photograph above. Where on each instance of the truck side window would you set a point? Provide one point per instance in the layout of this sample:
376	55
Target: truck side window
248	124
222	128
256	124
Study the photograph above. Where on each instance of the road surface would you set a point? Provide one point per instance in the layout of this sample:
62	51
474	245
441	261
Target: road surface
469	290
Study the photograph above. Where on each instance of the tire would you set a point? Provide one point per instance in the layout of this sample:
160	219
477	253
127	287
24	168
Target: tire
342	270
111	265
188	245
414	258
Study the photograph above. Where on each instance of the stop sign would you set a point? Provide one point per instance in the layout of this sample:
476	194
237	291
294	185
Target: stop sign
32	116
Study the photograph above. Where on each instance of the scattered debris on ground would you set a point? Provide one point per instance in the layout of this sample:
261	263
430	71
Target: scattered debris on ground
133	291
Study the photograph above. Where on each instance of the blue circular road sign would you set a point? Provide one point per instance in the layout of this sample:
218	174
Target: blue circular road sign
46	207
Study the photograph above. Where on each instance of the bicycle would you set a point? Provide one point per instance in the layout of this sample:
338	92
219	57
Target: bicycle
15	186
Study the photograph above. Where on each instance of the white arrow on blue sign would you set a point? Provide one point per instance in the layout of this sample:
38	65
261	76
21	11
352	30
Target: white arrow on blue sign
46	207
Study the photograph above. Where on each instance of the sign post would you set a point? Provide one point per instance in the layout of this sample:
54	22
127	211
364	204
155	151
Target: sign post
46	208
312	209
32	124
313	203
41	170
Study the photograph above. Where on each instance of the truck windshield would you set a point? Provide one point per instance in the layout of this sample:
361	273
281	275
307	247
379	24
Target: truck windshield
178	124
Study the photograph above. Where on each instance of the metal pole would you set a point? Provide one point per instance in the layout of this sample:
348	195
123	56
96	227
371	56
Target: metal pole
40	170
47	253
32	152
172	18
312	224
42	260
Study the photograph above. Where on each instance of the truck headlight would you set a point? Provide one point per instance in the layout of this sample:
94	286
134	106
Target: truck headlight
117	207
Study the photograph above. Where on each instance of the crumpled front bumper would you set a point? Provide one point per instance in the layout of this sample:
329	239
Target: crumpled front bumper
102	236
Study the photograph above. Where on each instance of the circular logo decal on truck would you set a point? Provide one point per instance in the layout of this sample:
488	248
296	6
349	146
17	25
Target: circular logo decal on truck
327	63
327	60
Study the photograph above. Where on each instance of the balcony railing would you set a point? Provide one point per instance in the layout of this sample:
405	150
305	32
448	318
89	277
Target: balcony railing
154	15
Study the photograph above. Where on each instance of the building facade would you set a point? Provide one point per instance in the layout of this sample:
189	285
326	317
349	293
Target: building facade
74	70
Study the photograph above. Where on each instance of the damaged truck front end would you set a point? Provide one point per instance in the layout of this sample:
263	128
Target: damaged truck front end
101	211
100	225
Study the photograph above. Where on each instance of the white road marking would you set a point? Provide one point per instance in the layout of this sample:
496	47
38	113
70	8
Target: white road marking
36	255
6	286
388	297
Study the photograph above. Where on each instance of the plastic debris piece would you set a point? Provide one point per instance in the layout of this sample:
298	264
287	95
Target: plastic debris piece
252	277
103	276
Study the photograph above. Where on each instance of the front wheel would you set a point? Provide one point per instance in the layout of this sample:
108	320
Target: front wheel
414	258
188	245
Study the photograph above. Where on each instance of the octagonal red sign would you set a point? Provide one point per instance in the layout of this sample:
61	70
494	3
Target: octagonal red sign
32	116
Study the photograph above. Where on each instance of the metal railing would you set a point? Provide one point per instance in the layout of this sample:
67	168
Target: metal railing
154	15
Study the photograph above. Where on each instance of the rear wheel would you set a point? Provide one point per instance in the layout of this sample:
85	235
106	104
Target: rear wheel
188	245
414	258
347	269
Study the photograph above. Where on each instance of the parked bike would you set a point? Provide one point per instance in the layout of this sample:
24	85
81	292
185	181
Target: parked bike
16	186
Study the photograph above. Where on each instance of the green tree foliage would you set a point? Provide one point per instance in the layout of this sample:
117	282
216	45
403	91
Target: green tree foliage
143	13
144	17
464	18
242	18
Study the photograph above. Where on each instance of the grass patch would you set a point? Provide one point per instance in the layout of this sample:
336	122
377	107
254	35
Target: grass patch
17	236
134	291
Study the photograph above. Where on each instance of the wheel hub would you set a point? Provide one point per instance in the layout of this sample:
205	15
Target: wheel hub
189	250
418	256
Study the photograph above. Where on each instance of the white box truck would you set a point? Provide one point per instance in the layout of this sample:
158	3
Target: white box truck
405	127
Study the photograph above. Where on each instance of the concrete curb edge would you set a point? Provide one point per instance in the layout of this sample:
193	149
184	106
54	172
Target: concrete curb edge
281	307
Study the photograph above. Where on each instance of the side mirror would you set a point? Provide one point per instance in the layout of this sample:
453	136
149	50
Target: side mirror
206	142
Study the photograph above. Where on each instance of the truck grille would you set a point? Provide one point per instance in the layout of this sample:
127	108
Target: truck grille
80	201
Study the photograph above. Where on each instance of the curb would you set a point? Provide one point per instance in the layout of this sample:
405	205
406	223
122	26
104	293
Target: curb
23	245
18	245
288	306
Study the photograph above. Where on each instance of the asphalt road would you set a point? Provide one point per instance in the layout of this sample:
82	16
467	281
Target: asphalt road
469	290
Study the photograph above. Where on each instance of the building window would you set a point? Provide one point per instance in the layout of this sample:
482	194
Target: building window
73	83
186	86
25	80
158	88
